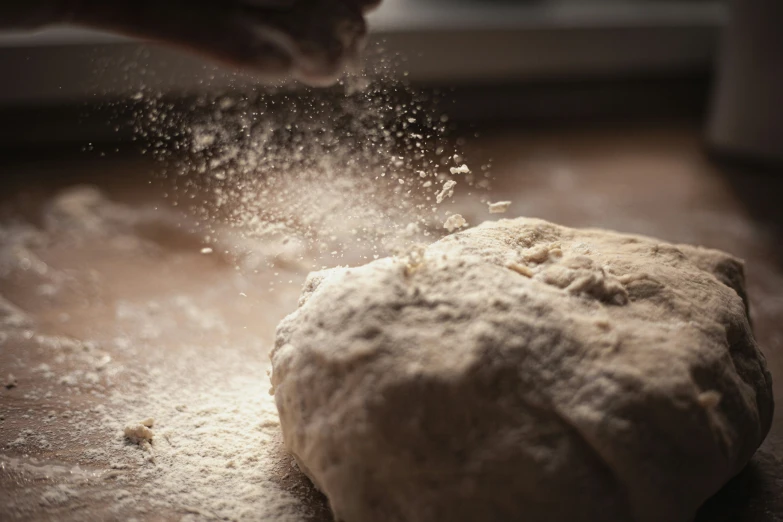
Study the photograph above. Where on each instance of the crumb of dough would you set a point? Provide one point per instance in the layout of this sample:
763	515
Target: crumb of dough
138	432
413	258
427	184
411	229
520	269
10	381
542	253
499	208
206	250
446	192
454	222
462	169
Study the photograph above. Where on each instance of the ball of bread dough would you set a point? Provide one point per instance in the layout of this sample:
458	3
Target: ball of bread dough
522	370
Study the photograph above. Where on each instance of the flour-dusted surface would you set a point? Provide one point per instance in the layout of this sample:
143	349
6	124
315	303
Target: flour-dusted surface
138	388
524	371
118	322
112	314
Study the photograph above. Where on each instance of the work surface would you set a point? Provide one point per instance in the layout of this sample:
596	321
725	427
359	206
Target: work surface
115	307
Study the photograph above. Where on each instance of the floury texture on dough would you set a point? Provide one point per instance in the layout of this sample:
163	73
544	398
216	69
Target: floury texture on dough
522	370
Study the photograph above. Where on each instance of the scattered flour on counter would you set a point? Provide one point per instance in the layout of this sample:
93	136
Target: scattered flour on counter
168	351
139	432
58	495
216	452
10	315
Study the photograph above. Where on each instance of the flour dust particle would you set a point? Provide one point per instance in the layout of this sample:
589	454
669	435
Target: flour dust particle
335	171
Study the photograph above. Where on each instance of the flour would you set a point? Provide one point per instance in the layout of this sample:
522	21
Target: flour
58	495
142	319
204	441
290	167
218	453
138	433
446	191
11	316
462	169
500	207
454	222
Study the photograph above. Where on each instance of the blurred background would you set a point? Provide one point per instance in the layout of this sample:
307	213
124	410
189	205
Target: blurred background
505	60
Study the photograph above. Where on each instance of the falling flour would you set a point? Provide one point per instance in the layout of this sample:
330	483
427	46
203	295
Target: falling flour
501	207
174	333
454	222
290	166
462	169
446	191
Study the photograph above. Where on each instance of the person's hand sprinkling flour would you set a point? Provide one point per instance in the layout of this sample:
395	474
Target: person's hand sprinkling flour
312	40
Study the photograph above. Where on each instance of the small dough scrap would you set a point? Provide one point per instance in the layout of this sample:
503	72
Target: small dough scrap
520	269
462	169
455	221
139	432
501	207
446	192
525	371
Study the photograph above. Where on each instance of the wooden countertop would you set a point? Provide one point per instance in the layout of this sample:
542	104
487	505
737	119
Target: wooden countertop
646	179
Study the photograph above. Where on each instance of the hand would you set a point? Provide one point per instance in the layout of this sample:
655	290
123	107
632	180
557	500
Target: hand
311	39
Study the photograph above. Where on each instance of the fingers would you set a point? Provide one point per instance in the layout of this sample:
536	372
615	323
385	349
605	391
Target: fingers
363	5
266	58
311	39
30	14
368	5
320	37
270	4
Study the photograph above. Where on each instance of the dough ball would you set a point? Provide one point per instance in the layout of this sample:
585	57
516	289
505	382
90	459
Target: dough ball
522	370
